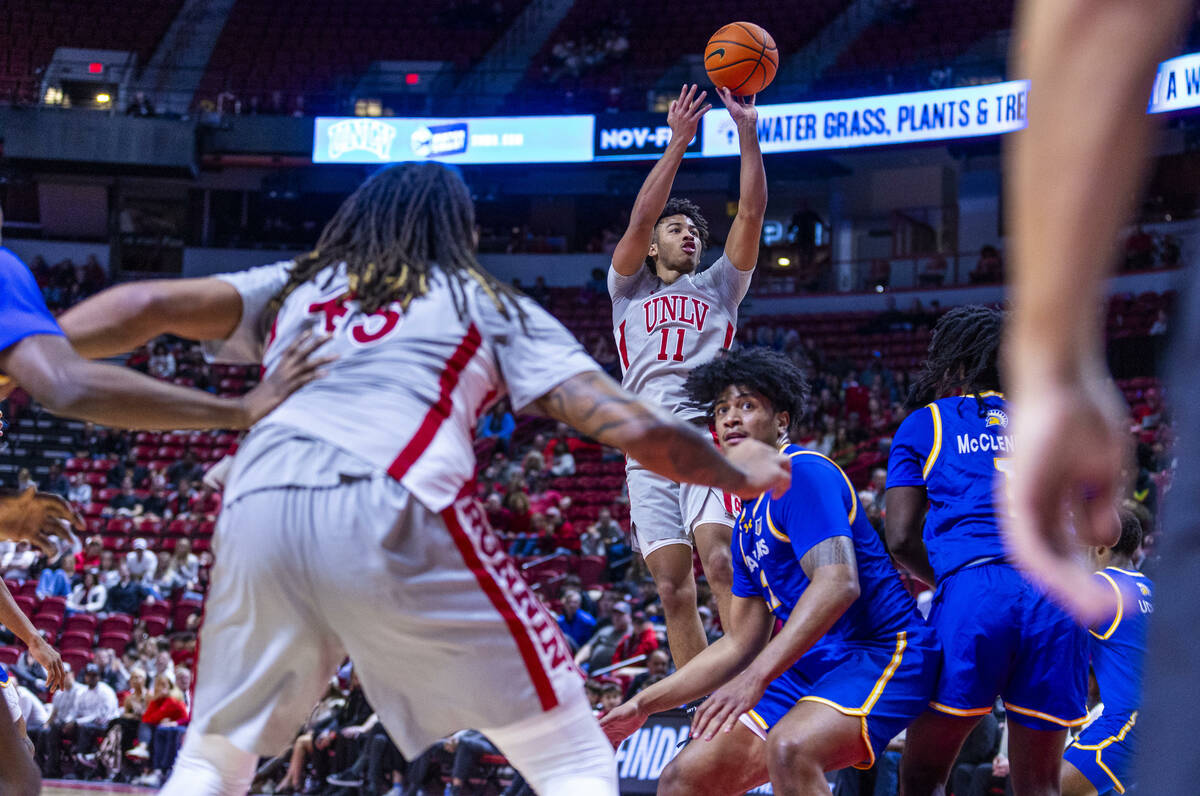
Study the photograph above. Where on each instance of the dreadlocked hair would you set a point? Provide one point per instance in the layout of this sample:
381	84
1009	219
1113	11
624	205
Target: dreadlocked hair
677	206
766	372
1131	533
393	232
963	356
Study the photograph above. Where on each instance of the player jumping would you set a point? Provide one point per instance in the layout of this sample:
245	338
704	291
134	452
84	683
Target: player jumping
668	319
1101	758
1000	635
854	662
348	524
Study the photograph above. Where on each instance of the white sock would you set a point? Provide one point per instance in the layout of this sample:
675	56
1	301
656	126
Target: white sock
561	753
209	765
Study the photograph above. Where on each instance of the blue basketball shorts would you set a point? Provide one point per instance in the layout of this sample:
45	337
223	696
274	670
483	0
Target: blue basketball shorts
1103	752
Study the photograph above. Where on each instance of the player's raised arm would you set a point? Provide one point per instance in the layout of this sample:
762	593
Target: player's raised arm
683	118
1076	174
748	632
742	245
121	318
596	405
832	571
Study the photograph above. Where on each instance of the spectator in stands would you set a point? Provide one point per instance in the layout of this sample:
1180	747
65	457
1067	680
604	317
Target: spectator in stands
30	673
499	425
563	463
140	562
165	581
844	451
164	710
125	503
533	466
874	491
540	292
565	536
576	624
122	470
989	269
63	711
57	581
112	670
109	575
499	517
127	594
156	505
658	665
93	707
16	563
591	543
56	482
162	665
25	480
80	491
89	557
642	639
33	709
186	565
610	696
162	363
89	595
185	470
598	651
460	753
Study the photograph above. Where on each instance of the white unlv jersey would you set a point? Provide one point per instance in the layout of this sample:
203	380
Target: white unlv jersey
409	387
663	331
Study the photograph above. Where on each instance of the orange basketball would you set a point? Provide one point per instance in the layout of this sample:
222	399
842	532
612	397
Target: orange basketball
741	57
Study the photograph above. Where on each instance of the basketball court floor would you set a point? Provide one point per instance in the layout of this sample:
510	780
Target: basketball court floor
59	787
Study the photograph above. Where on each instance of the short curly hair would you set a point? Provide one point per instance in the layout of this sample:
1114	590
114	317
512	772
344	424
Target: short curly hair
678	206
762	370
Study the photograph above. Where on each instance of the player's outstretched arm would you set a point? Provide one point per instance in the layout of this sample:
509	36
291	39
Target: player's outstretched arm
67	384
833	587
749	631
903	525
742	245
1076	174
12	617
597	406
683	118
119	319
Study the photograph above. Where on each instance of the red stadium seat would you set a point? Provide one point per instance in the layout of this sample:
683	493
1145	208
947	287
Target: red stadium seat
184	609
114	641
75	640
119	525
53	605
85	622
9	655
49	624
77	658
29	589
155	625
117	623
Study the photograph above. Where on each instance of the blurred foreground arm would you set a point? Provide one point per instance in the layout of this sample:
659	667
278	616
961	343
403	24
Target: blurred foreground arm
1075	176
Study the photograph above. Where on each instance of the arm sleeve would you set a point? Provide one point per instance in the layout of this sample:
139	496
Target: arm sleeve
23	312
816	507
257	287
910	449
744	584
535	354
729	283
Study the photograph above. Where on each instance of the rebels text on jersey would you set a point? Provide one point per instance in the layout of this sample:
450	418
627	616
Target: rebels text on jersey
409	386
663	331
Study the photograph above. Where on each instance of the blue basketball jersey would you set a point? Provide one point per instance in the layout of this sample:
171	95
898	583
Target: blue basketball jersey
773	534
22	310
955	449
1118	648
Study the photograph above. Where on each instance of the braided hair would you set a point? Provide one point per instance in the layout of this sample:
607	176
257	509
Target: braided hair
678	206
393	232
766	372
963	356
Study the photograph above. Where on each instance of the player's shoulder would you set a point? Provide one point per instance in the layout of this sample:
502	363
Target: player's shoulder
810	466
11	265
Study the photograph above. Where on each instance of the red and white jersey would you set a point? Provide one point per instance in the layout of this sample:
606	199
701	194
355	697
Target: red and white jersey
663	331
409	387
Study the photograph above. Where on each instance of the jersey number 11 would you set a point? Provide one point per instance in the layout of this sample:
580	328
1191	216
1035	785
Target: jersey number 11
662	351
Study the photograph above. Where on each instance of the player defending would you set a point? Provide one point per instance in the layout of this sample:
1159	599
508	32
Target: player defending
668	319
1101	758
999	634
854	663
349	526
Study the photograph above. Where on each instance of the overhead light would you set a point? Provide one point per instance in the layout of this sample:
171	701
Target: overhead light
103	98
783	262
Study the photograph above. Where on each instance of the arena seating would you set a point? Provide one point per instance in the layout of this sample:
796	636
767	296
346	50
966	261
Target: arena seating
677	28
270	46
30	31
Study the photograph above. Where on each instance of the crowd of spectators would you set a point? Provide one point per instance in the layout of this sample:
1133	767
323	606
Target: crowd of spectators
64	283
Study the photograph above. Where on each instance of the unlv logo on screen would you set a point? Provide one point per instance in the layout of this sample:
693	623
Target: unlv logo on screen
367	135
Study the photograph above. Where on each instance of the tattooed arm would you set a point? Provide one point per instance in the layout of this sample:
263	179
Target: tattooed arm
833	587
597	406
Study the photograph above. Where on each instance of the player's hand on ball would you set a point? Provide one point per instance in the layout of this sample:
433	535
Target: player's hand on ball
766	469
51	661
685	113
741	109
1071	441
621	722
37	518
721	711
296	368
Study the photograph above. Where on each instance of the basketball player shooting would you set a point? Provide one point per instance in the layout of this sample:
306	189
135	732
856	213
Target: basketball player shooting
668	318
349	526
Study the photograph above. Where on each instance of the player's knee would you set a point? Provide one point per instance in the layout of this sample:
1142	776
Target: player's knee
718	569
674	780
790	758
24	780
678	593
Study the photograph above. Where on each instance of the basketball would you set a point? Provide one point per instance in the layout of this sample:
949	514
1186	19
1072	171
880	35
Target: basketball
741	57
